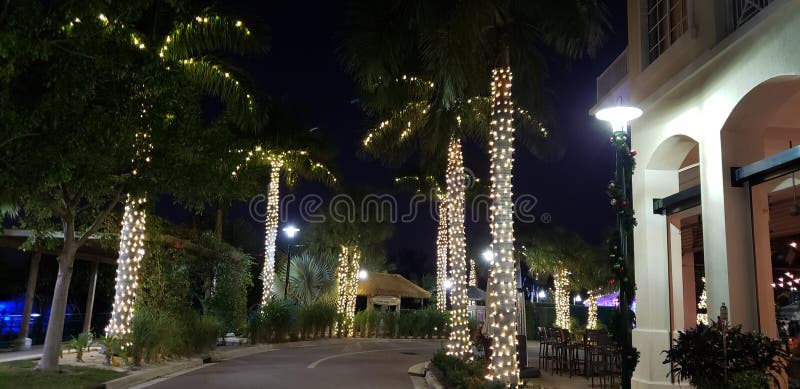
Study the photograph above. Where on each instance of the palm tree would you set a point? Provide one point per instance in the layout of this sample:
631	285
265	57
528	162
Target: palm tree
311	278
188	44
295	164
463	47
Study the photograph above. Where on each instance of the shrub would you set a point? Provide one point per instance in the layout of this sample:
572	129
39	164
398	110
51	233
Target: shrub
697	356
457	373
229	301
80	344
202	333
272	323
389	324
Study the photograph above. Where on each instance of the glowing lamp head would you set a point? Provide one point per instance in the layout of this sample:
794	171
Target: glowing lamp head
448	284
793	244
488	255
362	274
618	116
290	231
542	294
578	299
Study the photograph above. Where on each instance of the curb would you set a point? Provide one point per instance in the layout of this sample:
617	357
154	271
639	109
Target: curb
432	381
417	375
142	376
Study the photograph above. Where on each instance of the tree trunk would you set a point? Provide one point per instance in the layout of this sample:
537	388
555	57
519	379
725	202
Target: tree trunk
459	343
561	298
131	252
55	325
503	366
271	232
442	243
218	224
30	292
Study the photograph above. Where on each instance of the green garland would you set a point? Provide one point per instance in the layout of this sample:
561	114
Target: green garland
621	275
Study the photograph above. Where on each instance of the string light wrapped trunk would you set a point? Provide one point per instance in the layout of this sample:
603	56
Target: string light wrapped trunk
346	288
442	243
591	321
271	231
458	344
561	298
503	365
131	252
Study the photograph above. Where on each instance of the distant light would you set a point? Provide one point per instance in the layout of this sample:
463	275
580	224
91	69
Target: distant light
290	231
790	275
448	283
578	298
793	244
488	255
362	274
542	294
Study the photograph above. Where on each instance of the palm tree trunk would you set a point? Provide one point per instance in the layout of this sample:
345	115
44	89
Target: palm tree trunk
459	344
271	233
561	298
346	288
503	366
55	325
442	243
131	252
591	322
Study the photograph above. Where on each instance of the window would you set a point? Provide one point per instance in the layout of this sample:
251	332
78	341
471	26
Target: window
667	20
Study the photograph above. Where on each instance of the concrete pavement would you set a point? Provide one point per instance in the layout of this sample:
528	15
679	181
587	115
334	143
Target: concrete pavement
360	363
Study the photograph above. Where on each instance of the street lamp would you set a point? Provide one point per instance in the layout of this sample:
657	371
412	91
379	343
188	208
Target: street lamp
362	274
618	117
290	231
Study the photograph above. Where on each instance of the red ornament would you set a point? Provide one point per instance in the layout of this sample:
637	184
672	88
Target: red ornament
178	244
633	153
611	281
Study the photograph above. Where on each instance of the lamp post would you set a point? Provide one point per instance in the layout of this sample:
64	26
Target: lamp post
619	116
290	231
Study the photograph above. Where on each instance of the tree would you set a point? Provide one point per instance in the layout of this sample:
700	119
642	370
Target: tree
72	91
456	47
186	44
310	278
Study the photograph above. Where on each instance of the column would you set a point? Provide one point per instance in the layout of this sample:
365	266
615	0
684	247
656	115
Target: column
87	318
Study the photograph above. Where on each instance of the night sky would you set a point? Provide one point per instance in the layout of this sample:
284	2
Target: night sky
302	66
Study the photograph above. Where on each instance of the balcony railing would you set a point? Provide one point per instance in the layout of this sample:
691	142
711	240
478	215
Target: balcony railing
744	10
613	74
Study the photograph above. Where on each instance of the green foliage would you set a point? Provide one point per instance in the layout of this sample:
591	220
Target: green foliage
273	323
425	323
232	279
21	374
156	335
366	322
314	319
697	356
749	379
113	345
310	278
456	373
80	344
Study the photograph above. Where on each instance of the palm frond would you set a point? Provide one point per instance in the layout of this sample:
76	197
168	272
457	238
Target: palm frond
208	34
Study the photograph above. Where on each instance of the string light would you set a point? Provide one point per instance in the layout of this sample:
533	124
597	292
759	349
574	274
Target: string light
703	304
346	288
458	345
442	243
561	298
591	321
271	231
131	252
503	309
473	274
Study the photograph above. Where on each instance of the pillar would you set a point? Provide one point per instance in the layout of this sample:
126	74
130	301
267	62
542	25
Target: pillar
87	318
763	261
30	291
689	290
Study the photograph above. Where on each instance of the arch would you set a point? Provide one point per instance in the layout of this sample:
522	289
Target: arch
671	153
772	103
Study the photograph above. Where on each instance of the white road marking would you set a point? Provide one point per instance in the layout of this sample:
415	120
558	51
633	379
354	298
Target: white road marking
318	361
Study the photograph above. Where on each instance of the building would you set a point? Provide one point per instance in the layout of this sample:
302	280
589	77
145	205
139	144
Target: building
713	192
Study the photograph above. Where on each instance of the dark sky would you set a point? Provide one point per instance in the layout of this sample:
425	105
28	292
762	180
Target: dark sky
302	66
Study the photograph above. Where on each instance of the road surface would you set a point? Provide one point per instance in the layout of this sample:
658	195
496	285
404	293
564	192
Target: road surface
360	363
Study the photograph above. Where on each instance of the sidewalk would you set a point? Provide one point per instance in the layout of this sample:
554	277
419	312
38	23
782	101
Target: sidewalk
548	380
34	353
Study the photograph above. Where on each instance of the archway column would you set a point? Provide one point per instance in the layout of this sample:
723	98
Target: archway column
651	335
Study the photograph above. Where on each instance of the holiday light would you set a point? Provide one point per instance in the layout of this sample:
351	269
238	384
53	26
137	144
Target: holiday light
458	345
591	321
473	274
702	318
503	309
131	251
442	243
561	298
271	231
346	288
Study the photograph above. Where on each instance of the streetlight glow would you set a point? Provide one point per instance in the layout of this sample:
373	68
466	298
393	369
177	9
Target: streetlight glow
290	231
448	283
488	255
618	116
362	274
542	294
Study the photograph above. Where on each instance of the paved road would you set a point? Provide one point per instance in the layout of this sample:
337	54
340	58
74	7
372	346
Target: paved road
357	364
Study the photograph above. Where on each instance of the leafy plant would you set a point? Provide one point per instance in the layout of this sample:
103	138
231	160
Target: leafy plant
80	344
113	345
697	356
457	373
